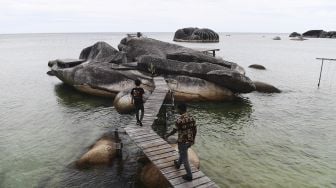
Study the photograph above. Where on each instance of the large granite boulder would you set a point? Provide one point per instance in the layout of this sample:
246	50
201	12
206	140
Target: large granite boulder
295	34
137	47
186	88
192	34
100	74
100	78
123	101
220	75
103	52
172	59
103	152
200	58
105	71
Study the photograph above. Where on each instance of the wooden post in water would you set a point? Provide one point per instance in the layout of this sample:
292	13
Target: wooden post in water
328	59
318	85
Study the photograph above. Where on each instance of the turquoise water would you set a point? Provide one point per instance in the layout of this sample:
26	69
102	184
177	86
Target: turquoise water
261	140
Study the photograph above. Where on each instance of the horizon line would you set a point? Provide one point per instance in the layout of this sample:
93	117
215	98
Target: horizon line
90	32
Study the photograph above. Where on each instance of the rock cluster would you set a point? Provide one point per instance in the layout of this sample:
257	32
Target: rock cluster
194	34
315	34
192	75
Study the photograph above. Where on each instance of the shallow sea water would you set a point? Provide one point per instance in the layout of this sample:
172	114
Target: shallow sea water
260	140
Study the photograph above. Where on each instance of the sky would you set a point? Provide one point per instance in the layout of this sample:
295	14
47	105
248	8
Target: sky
267	16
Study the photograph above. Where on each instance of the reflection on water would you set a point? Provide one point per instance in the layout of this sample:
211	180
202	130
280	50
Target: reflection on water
221	128
239	109
232	116
85	106
228	117
70	97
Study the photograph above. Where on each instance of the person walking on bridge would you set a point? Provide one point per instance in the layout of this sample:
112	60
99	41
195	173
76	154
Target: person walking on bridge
186	129
137	100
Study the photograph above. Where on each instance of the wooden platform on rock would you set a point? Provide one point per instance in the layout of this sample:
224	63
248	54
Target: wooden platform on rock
207	50
158	150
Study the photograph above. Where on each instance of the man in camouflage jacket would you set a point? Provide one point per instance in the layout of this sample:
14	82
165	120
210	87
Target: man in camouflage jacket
186	129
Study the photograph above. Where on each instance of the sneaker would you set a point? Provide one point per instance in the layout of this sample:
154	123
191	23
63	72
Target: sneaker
177	166
186	177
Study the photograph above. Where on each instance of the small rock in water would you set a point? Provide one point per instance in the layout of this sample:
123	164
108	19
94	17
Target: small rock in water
151	176
103	152
295	34
265	88
277	38
50	73
256	66
123	101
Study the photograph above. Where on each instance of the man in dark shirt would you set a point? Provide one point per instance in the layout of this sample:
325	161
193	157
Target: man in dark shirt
186	129
137	100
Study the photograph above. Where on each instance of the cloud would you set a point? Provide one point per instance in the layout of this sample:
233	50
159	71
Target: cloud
165	15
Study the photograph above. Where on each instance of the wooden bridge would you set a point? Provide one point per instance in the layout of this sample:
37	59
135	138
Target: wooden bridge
157	150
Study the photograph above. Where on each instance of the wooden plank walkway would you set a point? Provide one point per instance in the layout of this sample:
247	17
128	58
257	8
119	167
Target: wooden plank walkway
158	150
